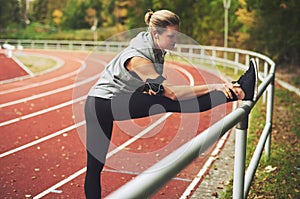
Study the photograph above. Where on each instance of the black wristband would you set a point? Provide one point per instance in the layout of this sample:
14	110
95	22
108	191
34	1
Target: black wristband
155	87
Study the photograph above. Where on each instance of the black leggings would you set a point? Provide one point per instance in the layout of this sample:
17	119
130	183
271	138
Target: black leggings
100	114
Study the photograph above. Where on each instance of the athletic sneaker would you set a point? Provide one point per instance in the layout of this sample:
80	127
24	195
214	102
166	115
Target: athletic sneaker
248	81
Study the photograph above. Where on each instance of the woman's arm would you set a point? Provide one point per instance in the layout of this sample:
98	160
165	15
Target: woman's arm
182	92
145	70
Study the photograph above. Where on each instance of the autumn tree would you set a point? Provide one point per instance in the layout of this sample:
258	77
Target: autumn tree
57	16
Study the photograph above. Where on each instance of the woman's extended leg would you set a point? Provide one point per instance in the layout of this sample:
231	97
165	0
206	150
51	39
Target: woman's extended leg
137	105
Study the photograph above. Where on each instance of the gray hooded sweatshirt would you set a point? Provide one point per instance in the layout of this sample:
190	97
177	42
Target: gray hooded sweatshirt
116	79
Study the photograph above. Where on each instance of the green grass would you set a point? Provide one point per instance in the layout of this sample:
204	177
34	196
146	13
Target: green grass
278	177
36	64
296	81
229	72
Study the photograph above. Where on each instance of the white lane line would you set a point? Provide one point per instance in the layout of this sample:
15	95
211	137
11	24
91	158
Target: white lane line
202	172
51	92
61	183
142	133
189	75
137	173
83	170
67	75
42	111
43	95
56	90
30	144
21	88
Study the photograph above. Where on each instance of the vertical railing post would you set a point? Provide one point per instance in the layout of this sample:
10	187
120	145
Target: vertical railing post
266	72
269	116
240	157
247	61
236	60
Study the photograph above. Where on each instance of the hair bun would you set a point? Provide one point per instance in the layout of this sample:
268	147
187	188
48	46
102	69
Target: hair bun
148	16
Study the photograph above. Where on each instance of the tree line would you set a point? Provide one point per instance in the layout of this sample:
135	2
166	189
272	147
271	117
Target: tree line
267	26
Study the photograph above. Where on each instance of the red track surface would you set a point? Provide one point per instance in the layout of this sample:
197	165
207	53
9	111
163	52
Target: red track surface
9	68
38	114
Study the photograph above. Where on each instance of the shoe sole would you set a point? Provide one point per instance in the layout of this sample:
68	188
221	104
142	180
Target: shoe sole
252	60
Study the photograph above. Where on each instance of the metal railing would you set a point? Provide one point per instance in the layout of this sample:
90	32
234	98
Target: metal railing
67	45
156	176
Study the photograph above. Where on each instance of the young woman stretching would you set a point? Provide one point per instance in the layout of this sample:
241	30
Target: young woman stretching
133	82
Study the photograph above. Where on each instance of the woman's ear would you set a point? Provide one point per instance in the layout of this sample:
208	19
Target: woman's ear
155	33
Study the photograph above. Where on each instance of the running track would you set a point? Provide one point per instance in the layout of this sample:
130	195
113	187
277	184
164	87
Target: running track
42	132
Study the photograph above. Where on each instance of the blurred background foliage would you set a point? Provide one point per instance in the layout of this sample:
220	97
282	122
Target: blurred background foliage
267	26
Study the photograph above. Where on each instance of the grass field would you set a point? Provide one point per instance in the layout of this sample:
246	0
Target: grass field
37	64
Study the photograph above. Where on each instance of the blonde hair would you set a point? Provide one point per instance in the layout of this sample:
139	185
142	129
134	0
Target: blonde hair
160	19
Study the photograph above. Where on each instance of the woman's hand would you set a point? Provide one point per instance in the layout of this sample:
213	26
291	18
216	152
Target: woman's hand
150	92
228	87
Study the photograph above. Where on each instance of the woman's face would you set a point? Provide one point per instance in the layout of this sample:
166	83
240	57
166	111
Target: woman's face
168	38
